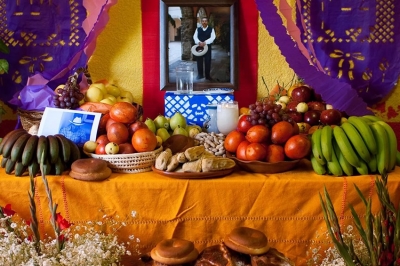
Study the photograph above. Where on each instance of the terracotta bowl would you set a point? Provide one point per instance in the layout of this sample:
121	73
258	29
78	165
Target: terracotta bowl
178	143
264	167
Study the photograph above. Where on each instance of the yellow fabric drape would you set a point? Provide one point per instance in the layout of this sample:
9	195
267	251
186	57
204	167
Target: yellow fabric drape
285	206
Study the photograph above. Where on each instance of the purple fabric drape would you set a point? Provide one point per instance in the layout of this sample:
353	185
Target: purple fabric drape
48	41
340	94
355	41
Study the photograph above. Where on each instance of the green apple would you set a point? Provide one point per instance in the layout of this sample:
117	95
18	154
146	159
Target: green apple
100	86
161	121
112	148
113	90
111	97
107	101
163	133
90	146
125	96
93	94
150	124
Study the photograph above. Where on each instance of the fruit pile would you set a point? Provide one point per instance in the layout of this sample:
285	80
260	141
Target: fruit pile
260	143
23	153
120	132
300	104
360	145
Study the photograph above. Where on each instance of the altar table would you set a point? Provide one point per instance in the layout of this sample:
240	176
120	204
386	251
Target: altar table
286	206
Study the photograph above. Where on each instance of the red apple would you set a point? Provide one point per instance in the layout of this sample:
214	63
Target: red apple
301	94
291	106
331	117
319	106
295	116
125	148
135	126
312	117
244	123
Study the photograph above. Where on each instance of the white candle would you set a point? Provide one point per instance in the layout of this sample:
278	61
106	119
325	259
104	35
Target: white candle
227	116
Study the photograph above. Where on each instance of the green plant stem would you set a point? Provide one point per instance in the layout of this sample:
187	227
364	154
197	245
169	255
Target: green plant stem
34	222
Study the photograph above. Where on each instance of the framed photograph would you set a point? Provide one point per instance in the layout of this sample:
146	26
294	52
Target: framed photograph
78	126
181	23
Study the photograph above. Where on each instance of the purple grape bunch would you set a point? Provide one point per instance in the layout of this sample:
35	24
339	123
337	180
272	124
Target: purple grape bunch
268	113
67	97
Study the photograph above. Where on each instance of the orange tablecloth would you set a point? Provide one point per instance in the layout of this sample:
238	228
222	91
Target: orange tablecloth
285	206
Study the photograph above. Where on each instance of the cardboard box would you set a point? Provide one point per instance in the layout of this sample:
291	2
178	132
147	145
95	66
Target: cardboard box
194	106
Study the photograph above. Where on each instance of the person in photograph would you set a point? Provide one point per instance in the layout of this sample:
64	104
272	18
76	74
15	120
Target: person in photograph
204	35
76	130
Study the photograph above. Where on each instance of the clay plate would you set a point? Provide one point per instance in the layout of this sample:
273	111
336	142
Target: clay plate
264	167
201	175
178	143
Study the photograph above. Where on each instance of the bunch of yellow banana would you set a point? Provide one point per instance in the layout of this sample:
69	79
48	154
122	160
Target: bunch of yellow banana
23	153
360	145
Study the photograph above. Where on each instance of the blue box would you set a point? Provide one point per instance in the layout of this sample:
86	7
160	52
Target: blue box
194	106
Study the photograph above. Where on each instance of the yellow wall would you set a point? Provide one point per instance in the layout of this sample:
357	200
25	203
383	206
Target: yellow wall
118	56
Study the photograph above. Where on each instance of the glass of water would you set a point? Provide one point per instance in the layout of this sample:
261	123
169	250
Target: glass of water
184	79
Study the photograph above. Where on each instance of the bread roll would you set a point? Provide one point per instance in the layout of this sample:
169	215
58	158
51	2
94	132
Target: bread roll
247	240
174	251
90	169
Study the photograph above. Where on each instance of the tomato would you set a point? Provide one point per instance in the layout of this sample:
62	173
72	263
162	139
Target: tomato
241	150
123	112
281	132
258	133
102	139
255	152
135	126
125	148
297	147
118	133
109	122
100	148
103	121
144	140
275	153
233	140
243	124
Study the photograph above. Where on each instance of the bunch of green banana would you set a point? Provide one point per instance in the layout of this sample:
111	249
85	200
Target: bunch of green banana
360	145
23	153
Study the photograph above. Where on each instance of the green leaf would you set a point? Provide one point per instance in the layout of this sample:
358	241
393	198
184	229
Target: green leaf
4	48
3	66
359	227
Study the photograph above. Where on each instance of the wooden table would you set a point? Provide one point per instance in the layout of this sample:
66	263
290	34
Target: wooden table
285	206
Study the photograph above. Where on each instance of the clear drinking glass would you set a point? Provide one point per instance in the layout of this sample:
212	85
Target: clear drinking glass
184	79
227	116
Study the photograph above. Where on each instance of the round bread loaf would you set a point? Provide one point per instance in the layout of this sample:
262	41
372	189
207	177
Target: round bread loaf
247	240
90	169
174	251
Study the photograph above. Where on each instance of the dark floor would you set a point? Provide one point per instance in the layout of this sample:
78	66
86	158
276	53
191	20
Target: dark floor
220	66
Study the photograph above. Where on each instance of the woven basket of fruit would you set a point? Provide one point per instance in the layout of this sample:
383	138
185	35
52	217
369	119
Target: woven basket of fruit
29	118
129	163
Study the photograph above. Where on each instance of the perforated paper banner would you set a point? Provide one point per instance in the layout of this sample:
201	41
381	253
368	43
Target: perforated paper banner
355	41
48	40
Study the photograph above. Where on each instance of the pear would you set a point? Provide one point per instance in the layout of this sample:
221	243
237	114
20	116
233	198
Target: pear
193	132
161	122
180	131
151	125
177	120
163	133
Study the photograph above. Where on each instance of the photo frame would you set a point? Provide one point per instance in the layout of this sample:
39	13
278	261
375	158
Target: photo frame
176	42
78	126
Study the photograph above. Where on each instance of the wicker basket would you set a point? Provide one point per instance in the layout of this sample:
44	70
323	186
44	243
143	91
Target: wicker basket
129	163
29	118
